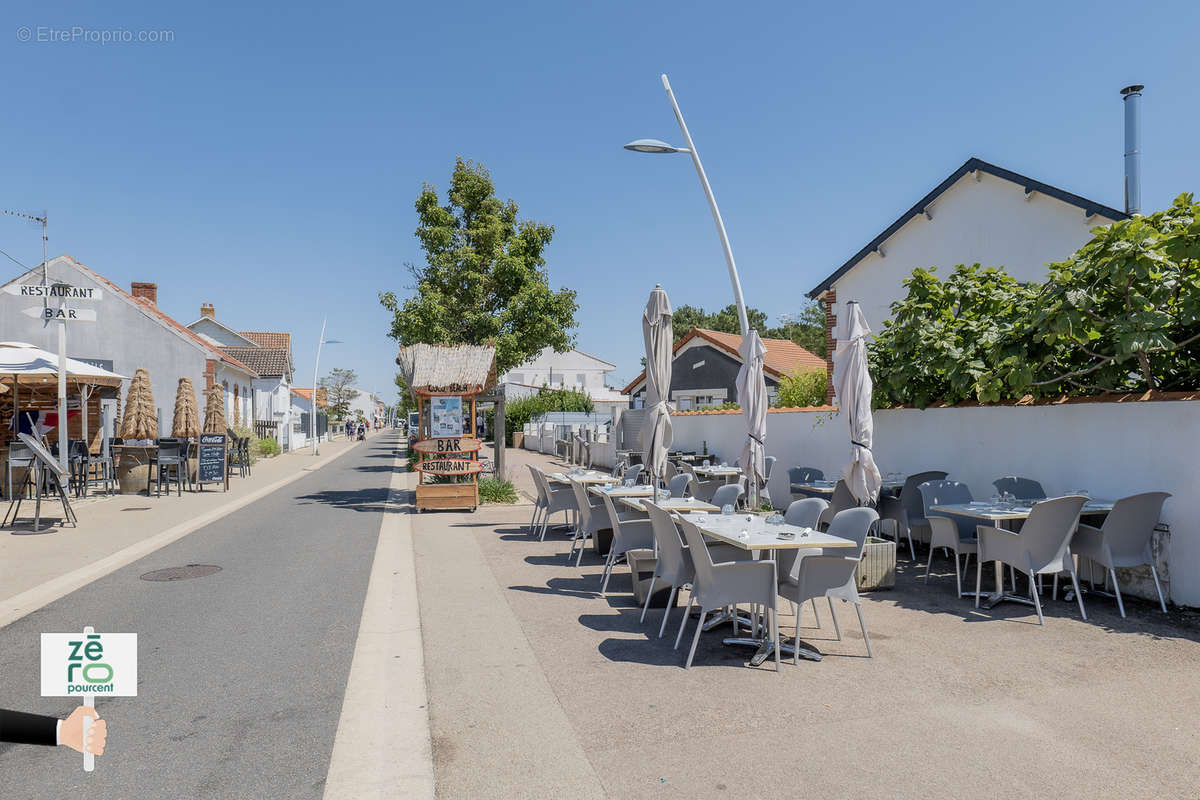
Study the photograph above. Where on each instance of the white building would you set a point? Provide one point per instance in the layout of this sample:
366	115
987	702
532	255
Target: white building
572	369
980	214
368	405
269	353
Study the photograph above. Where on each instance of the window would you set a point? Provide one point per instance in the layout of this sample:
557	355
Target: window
684	403
516	377
581	379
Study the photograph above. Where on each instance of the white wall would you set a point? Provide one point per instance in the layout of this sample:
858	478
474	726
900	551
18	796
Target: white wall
1110	449
989	222
572	369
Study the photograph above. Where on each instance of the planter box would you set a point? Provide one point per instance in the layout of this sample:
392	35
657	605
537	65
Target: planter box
877	570
133	467
447	495
641	569
518	439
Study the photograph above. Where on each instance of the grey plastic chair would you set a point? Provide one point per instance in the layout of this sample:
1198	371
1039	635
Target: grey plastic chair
679	484
830	574
798	475
628	534
674	564
949	532
841	500
727	495
1020	488
634	473
557	499
539	502
905	514
768	468
1042	546
804	514
19	457
1123	540
701	489
589	519
717	585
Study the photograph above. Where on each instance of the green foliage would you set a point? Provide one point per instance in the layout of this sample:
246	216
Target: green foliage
728	405
801	389
265	448
484	279
407	403
494	490
806	329
339	393
1125	307
521	410
1121	314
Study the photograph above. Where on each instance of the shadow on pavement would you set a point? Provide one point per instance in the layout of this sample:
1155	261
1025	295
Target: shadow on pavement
369	500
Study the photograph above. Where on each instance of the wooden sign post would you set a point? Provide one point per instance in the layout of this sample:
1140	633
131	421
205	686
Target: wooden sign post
449	452
211	461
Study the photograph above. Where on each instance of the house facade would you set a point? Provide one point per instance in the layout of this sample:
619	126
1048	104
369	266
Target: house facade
269	353
368	405
130	331
705	365
572	369
302	407
981	214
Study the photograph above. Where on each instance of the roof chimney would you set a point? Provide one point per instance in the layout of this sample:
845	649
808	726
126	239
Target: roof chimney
207	310
1133	148
145	291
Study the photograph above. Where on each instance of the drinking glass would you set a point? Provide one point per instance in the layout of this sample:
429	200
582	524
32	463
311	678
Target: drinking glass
727	510
629	482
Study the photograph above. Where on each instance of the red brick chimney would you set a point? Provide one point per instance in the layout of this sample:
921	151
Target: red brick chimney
207	310
147	291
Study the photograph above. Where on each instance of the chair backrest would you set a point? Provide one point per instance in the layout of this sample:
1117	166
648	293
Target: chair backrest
1020	488
687	467
701	559
942	492
910	494
853	524
842	498
614	521
584	505
634	472
18	450
768	467
804	474
537	483
670	470
673	560
1049	529
544	485
679	484
77	448
726	495
619	468
169	449
1129	525
804	513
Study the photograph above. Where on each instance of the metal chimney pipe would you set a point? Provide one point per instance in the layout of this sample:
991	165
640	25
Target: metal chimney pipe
1133	148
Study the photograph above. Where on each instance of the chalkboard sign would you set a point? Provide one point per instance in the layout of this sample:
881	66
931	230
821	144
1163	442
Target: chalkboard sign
210	460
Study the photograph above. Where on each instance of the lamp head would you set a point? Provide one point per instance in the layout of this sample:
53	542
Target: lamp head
654	146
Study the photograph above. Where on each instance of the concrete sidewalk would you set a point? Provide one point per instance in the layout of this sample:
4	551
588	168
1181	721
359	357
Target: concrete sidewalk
38	567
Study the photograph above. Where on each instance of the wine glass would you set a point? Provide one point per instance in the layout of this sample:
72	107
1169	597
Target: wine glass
727	510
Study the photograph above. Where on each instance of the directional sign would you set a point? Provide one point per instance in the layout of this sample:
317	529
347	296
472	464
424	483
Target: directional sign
63	314
451	444
450	466
54	291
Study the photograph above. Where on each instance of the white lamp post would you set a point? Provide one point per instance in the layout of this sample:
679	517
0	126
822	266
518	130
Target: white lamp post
655	146
312	416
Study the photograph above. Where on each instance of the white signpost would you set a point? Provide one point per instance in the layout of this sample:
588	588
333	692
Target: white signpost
87	664
62	314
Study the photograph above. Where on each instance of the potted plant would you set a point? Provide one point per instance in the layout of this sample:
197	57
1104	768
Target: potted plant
139	431
186	423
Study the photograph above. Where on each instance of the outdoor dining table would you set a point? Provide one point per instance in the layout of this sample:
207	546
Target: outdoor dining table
999	514
676	504
585	478
640	490
826	487
752	532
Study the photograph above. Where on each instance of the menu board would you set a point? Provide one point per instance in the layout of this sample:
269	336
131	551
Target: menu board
446	413
210	459
43	455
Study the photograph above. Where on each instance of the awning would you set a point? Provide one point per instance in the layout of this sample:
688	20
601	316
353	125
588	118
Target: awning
27	364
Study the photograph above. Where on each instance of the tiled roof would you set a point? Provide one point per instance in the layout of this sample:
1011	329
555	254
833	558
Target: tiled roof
169	321
266	361
783	355
307	395
269	339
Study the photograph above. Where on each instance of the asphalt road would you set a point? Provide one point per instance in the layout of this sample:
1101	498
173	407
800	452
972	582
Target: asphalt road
241	673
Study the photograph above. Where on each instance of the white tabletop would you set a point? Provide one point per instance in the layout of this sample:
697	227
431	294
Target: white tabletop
686	504
585	478
821	487
762	536
717	470
982	509
622	491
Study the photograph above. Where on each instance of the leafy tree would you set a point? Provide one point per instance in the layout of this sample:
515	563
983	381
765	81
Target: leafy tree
806	328
801	389
484	278
521	410
406	403
1126	306
339	393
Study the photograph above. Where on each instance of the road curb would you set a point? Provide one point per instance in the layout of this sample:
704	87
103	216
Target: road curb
31	600
383	748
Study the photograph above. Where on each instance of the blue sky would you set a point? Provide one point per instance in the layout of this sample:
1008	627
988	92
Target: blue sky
266	159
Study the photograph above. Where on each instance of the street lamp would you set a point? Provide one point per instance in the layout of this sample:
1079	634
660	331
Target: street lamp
657	147
312	416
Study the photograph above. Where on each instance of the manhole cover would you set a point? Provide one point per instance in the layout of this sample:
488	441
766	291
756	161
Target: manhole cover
181	573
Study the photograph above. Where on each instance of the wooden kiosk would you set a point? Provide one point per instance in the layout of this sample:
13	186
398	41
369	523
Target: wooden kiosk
445	381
